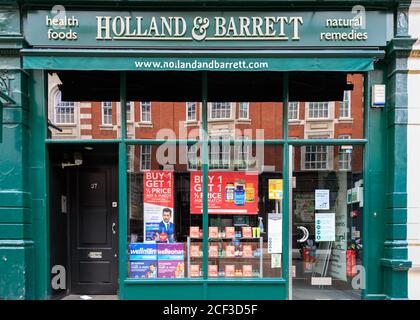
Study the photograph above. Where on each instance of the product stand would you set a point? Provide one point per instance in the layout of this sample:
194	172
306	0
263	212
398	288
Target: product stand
261	250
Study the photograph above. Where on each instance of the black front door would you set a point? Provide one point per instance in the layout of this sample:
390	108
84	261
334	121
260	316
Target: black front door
94	231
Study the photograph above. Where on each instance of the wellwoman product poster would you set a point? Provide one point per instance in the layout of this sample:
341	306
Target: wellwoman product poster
143	260
228	193
158	202
170	260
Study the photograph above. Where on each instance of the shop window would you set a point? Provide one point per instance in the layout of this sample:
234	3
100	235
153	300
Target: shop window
220	110
146	112
107	113
318	110
64	110
220	152
145	157
293	111
191	111
345	105
243	110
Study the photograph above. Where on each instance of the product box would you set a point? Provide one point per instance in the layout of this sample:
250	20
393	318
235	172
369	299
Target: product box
247	270
143	260
213	251
194	271
230	270
230	251
171	260
246	232
213	272
247	251
195	250
230	232
213	232
194	232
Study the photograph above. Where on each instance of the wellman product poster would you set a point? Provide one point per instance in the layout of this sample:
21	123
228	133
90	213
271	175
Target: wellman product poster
143	260
158	188
228	193
170	260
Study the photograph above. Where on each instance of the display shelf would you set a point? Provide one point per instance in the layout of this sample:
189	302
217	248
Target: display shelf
230	259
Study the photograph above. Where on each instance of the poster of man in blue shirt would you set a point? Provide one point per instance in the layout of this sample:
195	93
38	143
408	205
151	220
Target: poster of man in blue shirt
166	227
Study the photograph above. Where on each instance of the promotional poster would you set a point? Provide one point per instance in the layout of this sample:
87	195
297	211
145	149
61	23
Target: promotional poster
170	260
158	187
143	260
228	193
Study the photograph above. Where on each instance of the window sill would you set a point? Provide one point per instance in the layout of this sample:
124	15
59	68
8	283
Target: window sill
134	281
145	124
106	127
65	125
345	120
220	120
319	119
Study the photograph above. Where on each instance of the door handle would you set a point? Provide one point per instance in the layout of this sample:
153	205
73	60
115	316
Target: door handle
113	228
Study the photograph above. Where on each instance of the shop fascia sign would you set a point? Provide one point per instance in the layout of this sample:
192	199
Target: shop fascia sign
70	28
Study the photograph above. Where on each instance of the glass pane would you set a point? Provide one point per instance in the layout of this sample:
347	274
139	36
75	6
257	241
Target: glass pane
245	104
326	105
81	106
327	222
245	213
159	233
166	105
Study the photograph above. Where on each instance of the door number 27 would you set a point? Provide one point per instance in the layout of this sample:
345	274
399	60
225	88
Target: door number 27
94	185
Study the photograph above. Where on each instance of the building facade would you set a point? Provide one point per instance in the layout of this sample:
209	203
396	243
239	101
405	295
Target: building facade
261	153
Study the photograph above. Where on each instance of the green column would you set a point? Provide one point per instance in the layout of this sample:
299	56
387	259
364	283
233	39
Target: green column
395	262
16	232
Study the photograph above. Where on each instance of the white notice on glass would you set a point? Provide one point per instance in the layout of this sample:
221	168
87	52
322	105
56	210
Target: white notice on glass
324	227
322	199
274	237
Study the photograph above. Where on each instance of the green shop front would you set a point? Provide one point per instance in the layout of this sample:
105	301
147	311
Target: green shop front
157	150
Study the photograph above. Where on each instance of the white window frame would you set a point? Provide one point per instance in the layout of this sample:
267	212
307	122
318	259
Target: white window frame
295	105
68	105
192	151
131	117
145	103
145	150
211	105
246	104
346	101
225	150
130	164
241	149
187	113
329	105
342	152
104	105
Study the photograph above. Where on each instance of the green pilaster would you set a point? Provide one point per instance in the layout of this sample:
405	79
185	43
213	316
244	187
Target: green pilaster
16	228
394	261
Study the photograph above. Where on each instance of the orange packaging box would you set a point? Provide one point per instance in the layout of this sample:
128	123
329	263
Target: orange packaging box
247	270
213	251
194	232
230	251
246	232
213	232
194	270
195	250
213	270
230	232
247	250
230	270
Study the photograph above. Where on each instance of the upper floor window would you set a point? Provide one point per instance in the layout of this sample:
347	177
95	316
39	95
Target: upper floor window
107	113
344	155
293	111
191	111
146	157
244	110
316	157
192	157
220	152
318	110
220	110
129	111
345	105
64	110
242	152
146	112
